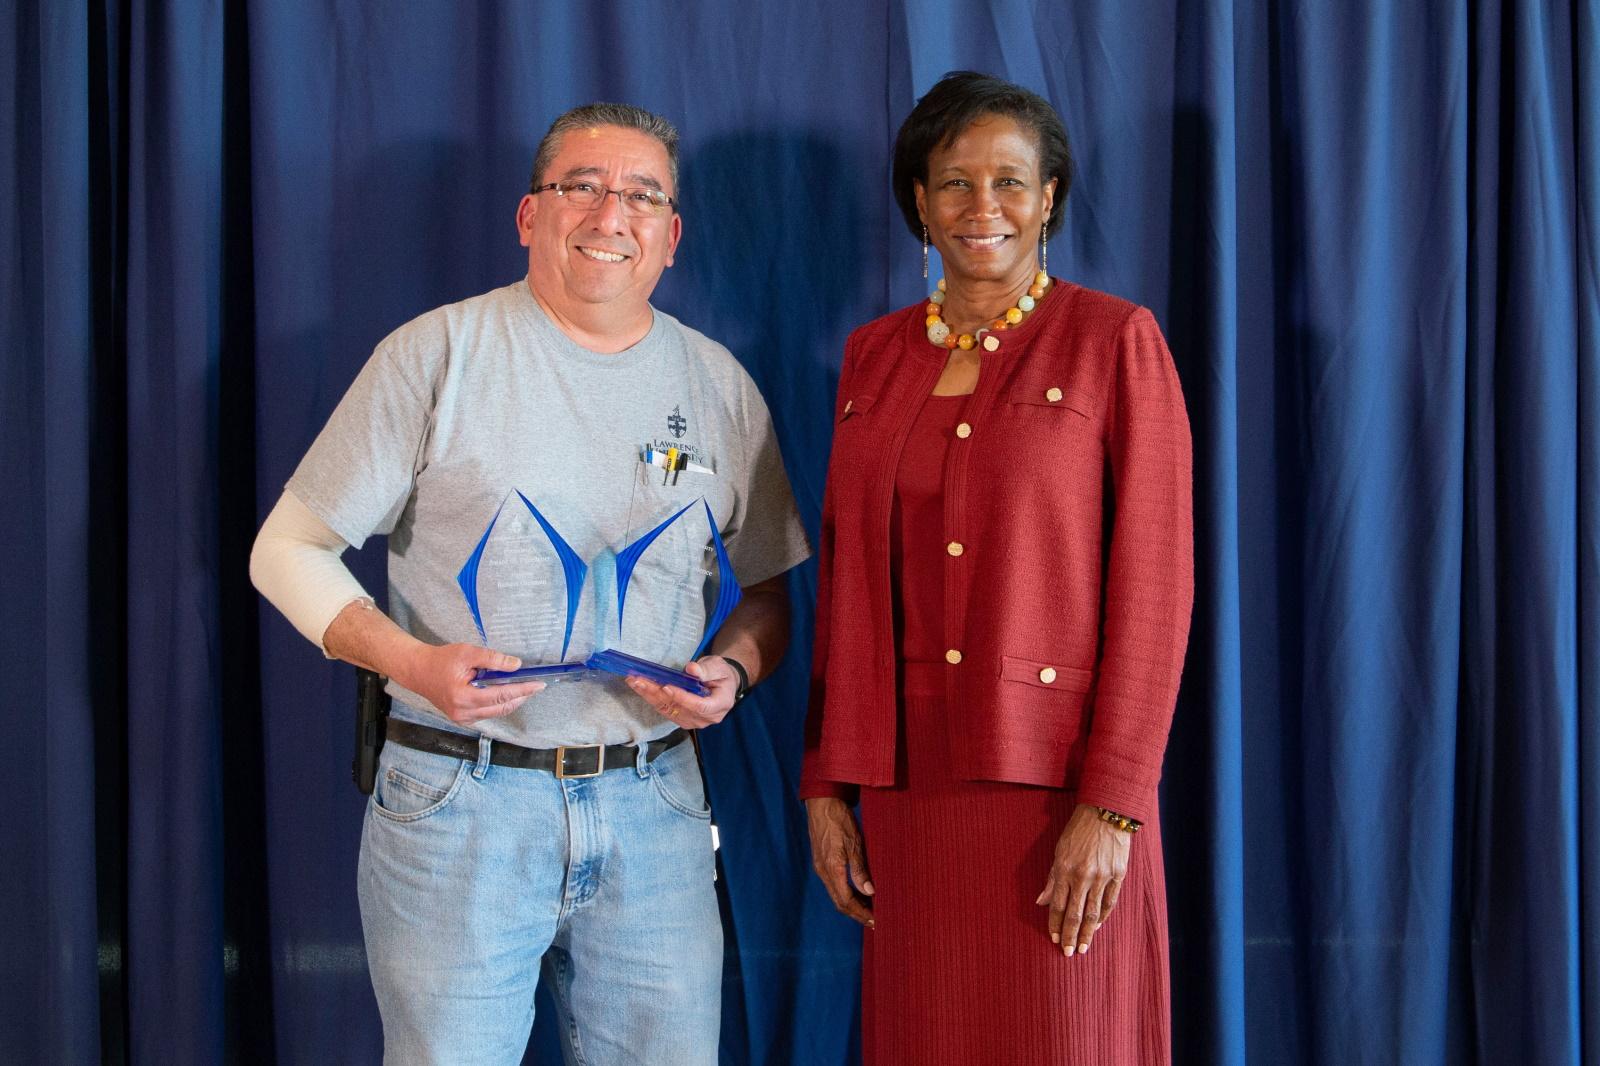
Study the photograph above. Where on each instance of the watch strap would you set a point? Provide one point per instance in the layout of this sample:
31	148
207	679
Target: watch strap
744	678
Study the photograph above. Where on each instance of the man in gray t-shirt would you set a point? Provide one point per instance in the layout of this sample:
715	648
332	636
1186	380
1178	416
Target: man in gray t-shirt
560	419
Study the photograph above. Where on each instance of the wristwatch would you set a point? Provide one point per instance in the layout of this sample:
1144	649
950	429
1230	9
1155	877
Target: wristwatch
744	678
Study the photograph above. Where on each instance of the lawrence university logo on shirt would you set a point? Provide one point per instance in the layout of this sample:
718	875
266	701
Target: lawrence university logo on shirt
677	426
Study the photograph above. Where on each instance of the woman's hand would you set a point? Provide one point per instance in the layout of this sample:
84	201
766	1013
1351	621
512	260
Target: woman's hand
1091	861
839	858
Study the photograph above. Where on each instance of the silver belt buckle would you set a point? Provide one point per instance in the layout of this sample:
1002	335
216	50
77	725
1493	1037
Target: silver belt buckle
599	762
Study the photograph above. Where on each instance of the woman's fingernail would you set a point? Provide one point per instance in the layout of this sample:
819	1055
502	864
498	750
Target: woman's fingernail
1083	949
871	924
866	886
1068	951
1055	938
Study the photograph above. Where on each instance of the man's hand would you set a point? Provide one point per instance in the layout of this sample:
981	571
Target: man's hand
443	675
838	857
685	708
754	634
367	637
1091	861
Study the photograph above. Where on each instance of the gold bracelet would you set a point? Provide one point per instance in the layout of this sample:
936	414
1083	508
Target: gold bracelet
1121	821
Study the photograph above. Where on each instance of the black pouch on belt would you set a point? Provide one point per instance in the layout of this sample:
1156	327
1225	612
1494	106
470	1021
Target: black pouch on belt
372	707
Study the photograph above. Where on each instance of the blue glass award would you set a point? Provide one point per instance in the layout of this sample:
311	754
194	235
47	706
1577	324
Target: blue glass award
524	586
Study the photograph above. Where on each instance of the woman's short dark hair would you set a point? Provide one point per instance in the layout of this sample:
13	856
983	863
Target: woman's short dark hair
959	99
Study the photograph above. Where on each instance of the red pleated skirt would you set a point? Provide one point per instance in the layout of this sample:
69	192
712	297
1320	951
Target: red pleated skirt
959	967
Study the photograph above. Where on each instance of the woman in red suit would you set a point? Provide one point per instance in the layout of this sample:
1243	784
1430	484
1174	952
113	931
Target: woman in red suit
1006	581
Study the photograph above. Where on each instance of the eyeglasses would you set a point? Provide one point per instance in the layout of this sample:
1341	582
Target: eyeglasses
588	195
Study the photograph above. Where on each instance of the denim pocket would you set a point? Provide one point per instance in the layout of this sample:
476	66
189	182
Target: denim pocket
414	784
677	779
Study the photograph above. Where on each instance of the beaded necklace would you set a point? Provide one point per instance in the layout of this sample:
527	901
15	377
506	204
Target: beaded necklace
941	336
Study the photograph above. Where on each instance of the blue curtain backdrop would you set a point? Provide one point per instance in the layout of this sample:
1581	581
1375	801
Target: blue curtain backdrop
1370	232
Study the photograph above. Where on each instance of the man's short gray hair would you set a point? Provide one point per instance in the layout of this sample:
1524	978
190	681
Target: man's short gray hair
626	116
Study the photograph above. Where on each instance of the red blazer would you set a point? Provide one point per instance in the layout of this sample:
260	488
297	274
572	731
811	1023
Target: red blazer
1067	604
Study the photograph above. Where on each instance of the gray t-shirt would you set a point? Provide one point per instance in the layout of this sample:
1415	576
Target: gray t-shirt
483	412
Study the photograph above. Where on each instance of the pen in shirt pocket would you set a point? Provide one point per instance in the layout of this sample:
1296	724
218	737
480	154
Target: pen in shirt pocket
659	460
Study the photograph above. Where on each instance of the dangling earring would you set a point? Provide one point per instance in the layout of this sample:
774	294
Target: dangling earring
924	253
1044	245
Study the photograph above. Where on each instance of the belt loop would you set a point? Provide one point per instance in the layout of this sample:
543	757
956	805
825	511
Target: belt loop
641	761
482	767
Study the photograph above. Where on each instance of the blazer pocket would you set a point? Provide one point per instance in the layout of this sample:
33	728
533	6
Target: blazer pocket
853	407
1051	394
1045	675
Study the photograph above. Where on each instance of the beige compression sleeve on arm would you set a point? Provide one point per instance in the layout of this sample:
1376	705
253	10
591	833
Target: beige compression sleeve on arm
295	564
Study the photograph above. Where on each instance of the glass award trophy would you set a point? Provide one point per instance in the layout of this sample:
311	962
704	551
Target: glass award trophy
526	590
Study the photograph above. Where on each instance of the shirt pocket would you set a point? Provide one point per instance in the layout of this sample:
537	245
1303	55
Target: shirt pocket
667	586
658	495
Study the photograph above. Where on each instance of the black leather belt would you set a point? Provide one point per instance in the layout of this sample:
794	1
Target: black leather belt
587	761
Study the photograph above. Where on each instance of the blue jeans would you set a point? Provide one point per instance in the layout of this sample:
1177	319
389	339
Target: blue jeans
472	875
